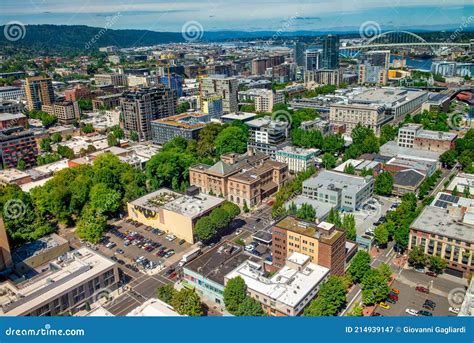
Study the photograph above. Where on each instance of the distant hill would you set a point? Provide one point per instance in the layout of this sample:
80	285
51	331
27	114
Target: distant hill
80	37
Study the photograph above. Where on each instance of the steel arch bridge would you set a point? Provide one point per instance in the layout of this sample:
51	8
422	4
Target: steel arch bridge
391	39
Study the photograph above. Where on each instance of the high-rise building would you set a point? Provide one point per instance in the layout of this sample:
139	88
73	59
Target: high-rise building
259	65
39	91
110	79
299	52
66	111
312	60
140	107
175	82
5	255
225	87
372	74
330	58
212	105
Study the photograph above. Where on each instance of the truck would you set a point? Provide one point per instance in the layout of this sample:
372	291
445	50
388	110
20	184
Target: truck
189	256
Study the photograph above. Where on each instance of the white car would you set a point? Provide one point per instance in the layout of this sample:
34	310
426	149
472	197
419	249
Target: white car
454	310
411	312
249	247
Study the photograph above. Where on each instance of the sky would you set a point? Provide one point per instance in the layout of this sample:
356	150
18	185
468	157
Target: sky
243	15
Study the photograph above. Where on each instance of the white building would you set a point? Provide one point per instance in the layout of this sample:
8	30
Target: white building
297	159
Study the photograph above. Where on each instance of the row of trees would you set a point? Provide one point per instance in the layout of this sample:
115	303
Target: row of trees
462	153
418	259
186	302
347	223
374	281
428	184
208	227
331	298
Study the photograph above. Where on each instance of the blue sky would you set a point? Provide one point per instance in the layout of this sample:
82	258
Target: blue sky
247	15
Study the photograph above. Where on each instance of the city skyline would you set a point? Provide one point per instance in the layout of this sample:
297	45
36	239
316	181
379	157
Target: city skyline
271	15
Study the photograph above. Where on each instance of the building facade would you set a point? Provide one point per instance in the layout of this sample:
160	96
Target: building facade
66	111
17	144
225	87
297	159
186	125
39	91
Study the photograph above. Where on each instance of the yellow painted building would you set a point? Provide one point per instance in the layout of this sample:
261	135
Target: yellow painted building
172	212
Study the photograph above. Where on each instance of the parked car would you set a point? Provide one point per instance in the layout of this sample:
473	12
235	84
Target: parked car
422	289
181	242
384	305
425	313
391	301
454	310
393	296
411	312
430	302
432	274
420	270
428	307
119	251
395	290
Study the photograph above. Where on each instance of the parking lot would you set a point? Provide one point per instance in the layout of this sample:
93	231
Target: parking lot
137	247
410	298
371	211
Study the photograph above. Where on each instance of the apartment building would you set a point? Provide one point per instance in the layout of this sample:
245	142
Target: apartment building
264	99
39	91
243	179
141	107
11	93
414	136
223	86
446	229
10	106
289	290
267	135
66	111
79	92
111	79
212	106
8	120
372	74
186	125
17	143
323	243
338	189
376	107
297	159
63	286
106	102
143	80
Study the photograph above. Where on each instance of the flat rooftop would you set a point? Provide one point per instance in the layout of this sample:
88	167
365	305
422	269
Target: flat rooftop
238	116
219	261
461	181
189	206
322	208
288	286
190	120
63	274
339	180
37	247
438	221
391	149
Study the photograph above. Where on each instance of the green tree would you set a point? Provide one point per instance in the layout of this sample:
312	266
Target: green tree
232	209
134	136
417	257
166	293
357	311
104	199
235	292
245	207
381	235
231	139
359	266
383	184
388	133
250	308
21	165
455	191
205	229
385	270
334	217
219	218
65	151
329	161
112	140
187	302
374	287
207	136
349	225
87	128
331	298
45	144
306	212
448	159
349	169
117	132
56	137
437	264
466	192
91	226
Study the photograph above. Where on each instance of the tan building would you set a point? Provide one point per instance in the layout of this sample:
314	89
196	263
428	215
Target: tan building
5	255
110	79
65	111
323	243
39	91
242	179
62	286
172	212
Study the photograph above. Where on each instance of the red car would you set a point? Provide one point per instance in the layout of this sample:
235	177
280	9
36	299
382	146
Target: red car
422	289
432	274
393	296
